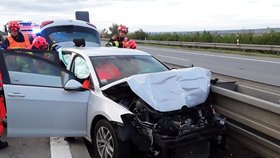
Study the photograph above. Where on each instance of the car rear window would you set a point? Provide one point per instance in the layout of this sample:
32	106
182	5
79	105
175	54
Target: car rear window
70	32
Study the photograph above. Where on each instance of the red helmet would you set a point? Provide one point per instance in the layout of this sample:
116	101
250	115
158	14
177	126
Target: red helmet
40	43
14	24
123	28
131	44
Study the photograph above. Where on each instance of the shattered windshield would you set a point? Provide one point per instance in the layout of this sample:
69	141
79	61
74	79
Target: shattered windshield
112	68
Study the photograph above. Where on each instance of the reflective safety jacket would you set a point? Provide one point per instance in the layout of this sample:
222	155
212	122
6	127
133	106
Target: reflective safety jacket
117	41
13	44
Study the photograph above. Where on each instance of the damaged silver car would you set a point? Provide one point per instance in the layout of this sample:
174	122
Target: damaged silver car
126	102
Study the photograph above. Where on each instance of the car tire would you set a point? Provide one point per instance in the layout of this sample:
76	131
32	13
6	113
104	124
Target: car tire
106	143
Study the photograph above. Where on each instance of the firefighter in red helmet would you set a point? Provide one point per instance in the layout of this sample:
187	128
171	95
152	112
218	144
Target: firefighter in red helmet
39	43
122	30
16	40
120	40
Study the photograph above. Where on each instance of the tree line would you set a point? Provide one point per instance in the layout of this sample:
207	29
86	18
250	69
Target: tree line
270	38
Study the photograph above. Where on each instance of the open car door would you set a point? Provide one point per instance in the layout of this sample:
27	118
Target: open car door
36	101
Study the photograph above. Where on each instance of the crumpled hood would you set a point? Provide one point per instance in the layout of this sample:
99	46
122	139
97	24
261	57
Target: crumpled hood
171	90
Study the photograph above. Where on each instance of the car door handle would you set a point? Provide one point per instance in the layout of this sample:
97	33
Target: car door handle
15	94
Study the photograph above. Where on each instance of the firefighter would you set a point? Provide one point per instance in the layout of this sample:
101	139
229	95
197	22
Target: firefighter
2	114
39	43
120	40
16	40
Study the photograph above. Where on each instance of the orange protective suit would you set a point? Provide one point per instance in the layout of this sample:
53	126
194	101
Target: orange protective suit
2	108
2	114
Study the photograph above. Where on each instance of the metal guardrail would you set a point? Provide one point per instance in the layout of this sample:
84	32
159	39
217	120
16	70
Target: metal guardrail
261	114
249	83
253	141
271	48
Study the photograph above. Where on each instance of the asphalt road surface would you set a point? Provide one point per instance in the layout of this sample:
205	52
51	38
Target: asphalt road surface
44	148
261	69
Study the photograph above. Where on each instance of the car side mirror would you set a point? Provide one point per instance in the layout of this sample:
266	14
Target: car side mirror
73	85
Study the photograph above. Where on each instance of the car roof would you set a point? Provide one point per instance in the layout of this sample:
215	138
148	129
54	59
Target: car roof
105	51
67	22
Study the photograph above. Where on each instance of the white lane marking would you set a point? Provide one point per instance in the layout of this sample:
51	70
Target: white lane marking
59	148
172	57
259	60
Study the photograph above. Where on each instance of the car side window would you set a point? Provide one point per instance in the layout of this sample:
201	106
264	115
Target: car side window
27	69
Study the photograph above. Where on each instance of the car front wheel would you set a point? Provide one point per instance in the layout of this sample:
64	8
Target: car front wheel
106	143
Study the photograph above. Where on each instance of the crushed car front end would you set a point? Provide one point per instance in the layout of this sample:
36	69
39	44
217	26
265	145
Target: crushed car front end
188	126
158	130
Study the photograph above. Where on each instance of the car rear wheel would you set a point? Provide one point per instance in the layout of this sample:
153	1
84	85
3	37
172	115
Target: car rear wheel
106	142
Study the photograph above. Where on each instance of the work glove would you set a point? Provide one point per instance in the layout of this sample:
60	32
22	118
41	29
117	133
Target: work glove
130	44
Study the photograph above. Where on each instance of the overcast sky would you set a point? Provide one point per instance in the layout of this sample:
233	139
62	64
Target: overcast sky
151	15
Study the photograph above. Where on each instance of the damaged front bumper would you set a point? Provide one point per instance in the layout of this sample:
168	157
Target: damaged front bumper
145	138
209	133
